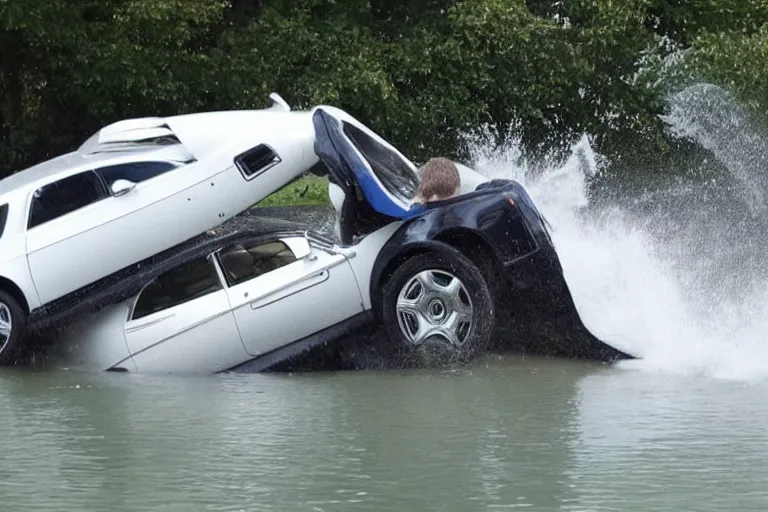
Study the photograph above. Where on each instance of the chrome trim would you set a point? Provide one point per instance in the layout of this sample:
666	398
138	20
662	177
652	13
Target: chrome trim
134	328
174	335
214	259
323	273
328	245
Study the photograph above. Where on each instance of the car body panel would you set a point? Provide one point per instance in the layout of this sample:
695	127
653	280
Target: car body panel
366	254
98	341
292	302
56	248
181	320
14	266
197	336
496	212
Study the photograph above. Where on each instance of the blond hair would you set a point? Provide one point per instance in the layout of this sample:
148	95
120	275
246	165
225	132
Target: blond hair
438	179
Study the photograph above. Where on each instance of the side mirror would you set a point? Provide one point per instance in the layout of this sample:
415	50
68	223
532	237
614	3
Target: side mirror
122	187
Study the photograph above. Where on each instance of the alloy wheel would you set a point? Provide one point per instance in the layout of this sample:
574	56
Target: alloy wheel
434	303
6	325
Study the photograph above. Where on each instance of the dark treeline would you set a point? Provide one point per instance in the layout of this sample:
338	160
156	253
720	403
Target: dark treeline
420	72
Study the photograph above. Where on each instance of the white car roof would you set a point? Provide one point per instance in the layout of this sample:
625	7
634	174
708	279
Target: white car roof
180	138
74	162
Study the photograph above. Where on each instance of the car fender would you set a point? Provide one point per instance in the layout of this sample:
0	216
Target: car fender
484	225
16	280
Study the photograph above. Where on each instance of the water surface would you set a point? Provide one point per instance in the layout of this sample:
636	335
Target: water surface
507	433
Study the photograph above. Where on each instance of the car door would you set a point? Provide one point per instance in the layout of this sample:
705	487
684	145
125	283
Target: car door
355	155
71	220
58	212
182	322
282	290
377	181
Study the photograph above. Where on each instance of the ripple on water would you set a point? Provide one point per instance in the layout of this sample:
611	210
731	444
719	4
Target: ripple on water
508	434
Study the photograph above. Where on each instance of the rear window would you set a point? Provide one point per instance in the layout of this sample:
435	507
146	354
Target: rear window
3	218
393	172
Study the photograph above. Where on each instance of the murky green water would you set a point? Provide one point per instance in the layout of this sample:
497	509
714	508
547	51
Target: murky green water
510	433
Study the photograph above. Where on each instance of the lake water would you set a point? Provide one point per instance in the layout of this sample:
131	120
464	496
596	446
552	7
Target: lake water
508	433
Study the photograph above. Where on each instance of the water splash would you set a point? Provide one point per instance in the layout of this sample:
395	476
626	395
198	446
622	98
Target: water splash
676	276
711	116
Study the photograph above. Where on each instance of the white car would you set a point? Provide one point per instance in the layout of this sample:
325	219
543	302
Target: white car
458	274
132	190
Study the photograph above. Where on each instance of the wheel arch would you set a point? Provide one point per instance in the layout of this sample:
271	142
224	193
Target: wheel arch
13	289
474	246
467	241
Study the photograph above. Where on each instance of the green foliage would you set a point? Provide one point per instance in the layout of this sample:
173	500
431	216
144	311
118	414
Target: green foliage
736	61
421	73
309	190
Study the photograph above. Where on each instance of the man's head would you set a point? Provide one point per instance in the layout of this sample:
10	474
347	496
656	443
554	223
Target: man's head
438	179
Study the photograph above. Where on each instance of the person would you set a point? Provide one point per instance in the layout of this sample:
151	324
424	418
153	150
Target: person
438	179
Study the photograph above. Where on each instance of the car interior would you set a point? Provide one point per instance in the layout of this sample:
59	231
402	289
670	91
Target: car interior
241	264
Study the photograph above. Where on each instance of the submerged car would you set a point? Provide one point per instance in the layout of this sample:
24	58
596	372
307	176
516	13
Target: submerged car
450	278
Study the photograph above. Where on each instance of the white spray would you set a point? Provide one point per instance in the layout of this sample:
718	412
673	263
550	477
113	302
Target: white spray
685	288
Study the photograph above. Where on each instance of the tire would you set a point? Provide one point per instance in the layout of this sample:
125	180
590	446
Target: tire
431	312
14	318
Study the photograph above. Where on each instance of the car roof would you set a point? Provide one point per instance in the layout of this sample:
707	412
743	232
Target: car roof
74	162
183	138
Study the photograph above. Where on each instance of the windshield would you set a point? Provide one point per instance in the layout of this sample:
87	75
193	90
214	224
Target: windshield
396	175
3	217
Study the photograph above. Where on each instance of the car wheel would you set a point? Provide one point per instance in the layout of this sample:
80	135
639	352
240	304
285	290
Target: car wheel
438	307
12	327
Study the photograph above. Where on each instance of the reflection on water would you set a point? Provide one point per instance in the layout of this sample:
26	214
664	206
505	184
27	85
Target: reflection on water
509	433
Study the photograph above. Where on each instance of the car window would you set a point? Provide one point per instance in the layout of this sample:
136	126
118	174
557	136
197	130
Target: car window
65	196
3	218
393	172
181	284
134	171
241	263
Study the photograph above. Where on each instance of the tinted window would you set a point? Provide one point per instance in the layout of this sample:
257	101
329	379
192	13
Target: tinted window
184	283
398	178
65	196
3	218
241	264
135	172
257	160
